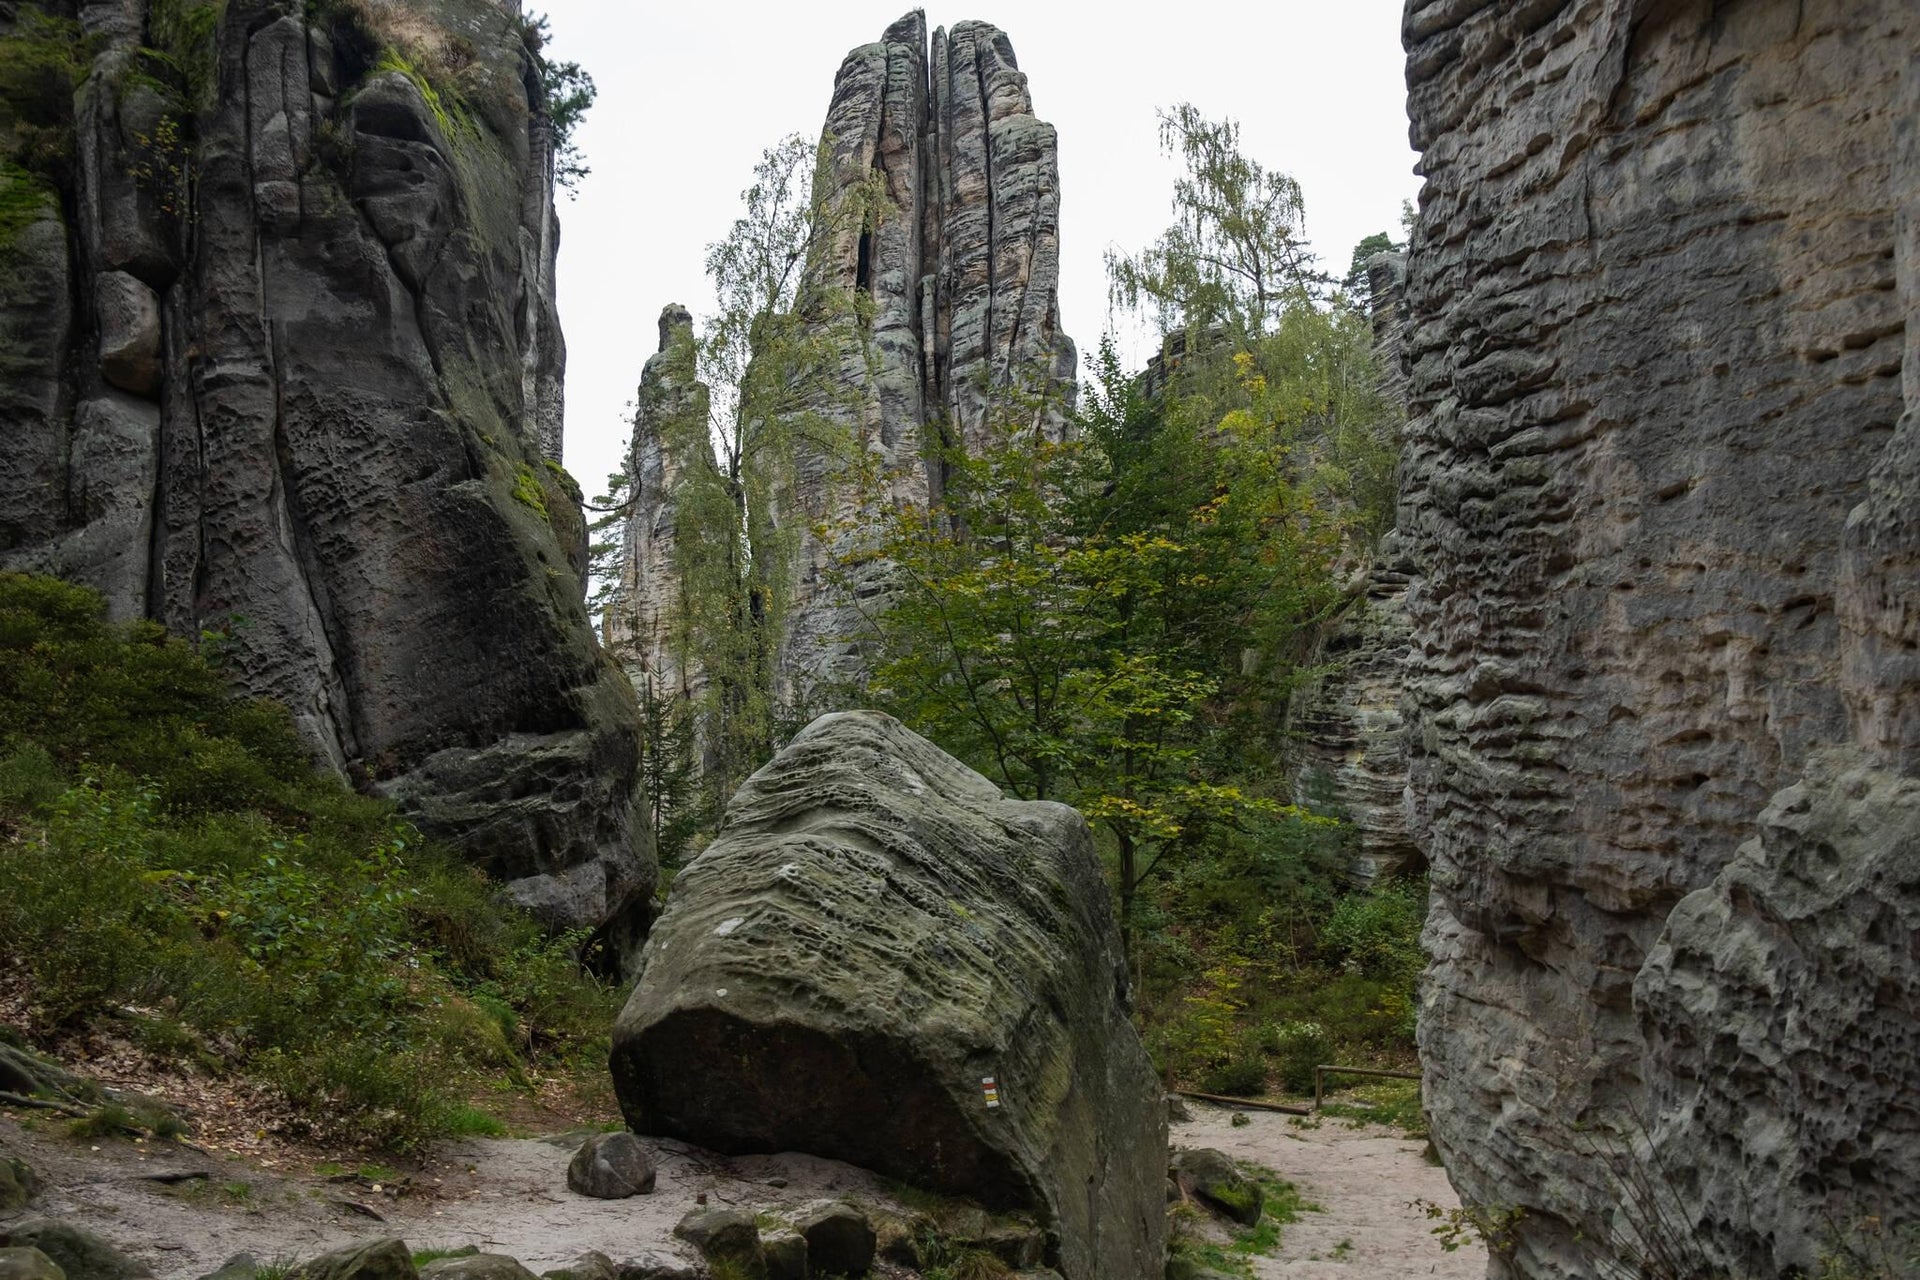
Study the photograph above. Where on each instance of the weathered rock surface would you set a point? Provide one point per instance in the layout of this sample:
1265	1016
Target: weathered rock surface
669	436
611	1166
380	1260
1348	750
79	1253
279	362
1661	483
963	274
28	1264
874	934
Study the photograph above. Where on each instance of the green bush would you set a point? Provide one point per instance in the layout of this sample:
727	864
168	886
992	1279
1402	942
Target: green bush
1377	934
166	846
1299	1048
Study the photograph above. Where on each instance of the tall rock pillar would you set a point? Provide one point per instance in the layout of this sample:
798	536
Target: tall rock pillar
962	271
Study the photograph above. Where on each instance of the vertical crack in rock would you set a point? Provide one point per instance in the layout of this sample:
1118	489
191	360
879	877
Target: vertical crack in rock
1660	488
949	122
315	407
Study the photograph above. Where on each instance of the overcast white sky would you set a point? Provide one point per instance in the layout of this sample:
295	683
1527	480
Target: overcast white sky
692	91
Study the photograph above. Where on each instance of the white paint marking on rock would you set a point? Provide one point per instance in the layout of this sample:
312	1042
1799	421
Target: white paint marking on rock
727	926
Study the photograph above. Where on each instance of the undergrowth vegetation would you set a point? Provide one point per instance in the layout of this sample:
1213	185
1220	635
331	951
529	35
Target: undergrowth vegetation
171	864
1195	1247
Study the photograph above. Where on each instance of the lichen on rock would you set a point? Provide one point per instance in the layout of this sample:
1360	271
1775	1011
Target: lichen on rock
882	960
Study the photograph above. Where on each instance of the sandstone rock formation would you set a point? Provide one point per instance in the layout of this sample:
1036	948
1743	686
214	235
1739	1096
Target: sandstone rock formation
963	275
281	366
874	936
1661	483
1349	753
669	435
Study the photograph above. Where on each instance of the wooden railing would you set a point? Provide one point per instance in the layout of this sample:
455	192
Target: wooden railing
1320	1073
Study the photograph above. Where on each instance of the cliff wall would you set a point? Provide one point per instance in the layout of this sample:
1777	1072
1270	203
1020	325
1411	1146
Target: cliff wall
1660	487
281	366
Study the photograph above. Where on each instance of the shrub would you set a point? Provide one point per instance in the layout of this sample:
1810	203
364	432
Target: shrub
1300	1047
165	845
1377	934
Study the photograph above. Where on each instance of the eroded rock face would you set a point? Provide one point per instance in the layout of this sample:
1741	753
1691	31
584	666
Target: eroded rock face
963	274
874	934
281	364
1349	751
1661	487
669	436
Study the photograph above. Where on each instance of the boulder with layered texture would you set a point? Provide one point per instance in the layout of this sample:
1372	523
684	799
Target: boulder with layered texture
874	935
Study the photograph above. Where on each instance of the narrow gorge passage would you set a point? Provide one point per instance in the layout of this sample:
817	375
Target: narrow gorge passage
1367	1181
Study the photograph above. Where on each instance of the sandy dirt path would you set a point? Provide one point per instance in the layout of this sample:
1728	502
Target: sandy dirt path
1364	1180
510	1196
504	1195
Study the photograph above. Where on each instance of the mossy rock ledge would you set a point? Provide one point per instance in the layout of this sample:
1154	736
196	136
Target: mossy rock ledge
875	934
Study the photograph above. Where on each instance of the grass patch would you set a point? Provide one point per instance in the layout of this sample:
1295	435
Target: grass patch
1395	1103
165	845
1190	1249
527	491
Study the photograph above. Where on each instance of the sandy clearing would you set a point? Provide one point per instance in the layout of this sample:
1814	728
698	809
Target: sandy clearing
505	1195
1363	1178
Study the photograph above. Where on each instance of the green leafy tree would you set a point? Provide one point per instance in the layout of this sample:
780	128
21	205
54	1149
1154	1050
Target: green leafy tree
1079	630
1236	252
768	360
568	93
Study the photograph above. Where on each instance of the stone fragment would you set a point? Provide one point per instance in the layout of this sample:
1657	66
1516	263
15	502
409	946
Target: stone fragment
840	1239
729	1236
611	1166
882	960
18	1184
786	1253
1217	1180
128	316
79	1253
654	1266
23	1263
476	1266
591	1265
241	1266
381	1260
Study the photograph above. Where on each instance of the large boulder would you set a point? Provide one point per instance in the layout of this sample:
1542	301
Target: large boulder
876	934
